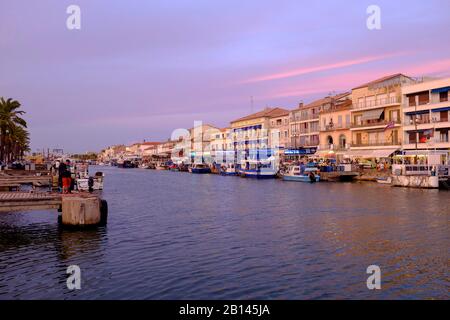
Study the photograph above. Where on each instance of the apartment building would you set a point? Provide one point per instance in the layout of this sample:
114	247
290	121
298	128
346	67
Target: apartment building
426	109
222	147
377	117
335	122
252	135
200	137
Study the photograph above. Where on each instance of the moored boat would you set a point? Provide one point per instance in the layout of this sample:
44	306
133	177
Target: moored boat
228	169
259	169
309	174
200	168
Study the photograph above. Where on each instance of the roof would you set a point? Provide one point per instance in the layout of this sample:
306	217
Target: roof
150	143
392	76
268	112
320	102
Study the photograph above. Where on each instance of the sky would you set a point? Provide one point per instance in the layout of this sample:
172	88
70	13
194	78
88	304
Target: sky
140	69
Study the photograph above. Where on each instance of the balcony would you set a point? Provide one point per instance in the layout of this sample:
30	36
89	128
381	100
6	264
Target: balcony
374	123
309	117
376	144
379	103
333	127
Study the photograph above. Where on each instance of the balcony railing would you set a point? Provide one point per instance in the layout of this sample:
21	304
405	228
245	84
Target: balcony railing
410	122
332	127
375	123
309	117
376	144
378	103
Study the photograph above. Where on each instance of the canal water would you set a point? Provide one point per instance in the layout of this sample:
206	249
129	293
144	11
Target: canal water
176	235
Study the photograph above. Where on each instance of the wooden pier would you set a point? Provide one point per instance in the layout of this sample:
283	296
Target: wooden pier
78	209
26	201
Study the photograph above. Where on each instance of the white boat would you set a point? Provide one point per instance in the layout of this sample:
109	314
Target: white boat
228	169
259	169
309	174
384	180
432	171
96	182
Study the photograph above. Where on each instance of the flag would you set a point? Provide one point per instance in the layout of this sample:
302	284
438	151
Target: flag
390	125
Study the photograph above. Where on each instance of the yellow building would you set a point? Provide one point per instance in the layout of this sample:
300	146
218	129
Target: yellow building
335	122
377	117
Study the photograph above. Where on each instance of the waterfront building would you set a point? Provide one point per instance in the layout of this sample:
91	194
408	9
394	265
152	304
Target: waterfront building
426	109
335	121
377	117
279	128
200	136
112	153
252	135
304	125
222	150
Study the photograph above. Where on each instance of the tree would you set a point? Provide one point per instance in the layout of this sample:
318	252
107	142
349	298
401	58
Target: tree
14	137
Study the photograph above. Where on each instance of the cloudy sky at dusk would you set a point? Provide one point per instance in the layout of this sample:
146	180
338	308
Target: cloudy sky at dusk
139	69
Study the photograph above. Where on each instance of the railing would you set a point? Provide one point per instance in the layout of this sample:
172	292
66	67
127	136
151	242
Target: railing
410	122
373	124
376	144
309	117
332	127
378	103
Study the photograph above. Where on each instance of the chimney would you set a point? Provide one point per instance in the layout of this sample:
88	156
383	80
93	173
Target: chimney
300	105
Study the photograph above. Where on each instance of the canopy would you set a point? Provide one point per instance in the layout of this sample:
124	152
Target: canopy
438	90
325	153
441	109
377	153
372	114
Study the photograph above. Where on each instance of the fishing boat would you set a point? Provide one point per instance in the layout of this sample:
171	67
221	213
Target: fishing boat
126	164
200	168
95	182
294	173
259	169
174	167
228	169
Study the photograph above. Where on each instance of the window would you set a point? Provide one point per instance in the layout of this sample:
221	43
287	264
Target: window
412	100
424	98
443	96
339	121
347	120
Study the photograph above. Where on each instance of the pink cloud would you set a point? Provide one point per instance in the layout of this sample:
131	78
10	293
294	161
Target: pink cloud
336	65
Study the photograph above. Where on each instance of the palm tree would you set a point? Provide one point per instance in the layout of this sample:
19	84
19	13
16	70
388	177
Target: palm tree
14	138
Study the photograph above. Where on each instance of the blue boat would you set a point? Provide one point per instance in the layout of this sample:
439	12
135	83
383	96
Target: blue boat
295	173
200	168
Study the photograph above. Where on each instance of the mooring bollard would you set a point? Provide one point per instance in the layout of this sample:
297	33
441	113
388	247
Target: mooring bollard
81	211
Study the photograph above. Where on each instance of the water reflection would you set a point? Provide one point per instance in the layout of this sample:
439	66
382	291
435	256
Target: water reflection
182	236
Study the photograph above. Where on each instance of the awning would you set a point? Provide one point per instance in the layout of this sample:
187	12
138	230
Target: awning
372	114
378	153
325	153
441	109
439	90
417	112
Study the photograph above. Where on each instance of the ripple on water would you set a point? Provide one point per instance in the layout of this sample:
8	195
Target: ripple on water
182	236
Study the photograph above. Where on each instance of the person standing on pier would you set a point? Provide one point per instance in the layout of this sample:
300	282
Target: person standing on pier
66	176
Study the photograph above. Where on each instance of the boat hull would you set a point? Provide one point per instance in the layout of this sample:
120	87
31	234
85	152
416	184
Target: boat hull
300	178
200	171
258	175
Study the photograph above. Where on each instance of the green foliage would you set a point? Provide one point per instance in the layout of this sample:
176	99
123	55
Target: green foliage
14	136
